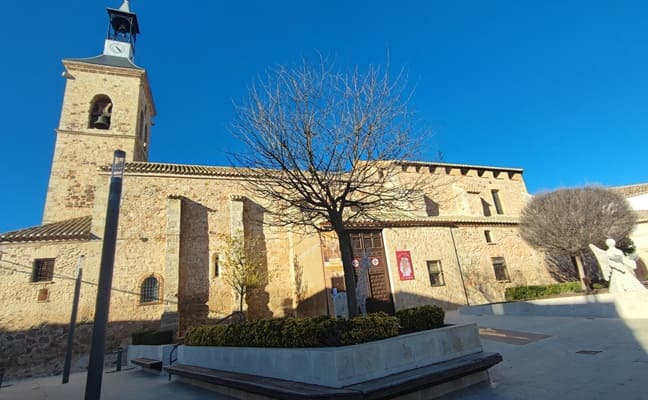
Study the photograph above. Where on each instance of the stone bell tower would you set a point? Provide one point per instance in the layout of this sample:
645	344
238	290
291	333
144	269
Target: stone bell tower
107	105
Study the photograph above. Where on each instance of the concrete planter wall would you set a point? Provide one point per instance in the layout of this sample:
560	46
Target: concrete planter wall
340	366
630	305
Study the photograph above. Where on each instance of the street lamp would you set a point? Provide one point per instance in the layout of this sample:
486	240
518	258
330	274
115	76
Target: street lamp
95	365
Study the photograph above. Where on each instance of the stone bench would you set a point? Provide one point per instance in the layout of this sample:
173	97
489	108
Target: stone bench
148	363
432	380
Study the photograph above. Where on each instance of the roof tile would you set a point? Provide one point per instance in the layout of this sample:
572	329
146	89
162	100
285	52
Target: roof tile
71	229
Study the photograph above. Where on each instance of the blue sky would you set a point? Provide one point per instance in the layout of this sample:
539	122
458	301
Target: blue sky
559	88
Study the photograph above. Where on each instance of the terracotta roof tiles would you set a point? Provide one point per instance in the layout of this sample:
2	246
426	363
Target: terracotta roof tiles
631	190
71	229
176	169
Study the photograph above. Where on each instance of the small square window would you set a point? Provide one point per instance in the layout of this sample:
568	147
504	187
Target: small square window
436	273
43	270
499	266
337	282
43	295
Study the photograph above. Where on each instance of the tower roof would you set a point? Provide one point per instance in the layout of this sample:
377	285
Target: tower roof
108	60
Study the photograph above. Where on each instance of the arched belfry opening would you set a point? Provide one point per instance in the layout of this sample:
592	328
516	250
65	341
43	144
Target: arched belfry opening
100	112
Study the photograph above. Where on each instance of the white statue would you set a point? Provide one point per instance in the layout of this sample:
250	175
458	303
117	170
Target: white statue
617	268
362	286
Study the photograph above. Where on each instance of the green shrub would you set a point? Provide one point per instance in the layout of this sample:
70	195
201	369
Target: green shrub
420	318
295	332
368	328
538	291
600	285
152	337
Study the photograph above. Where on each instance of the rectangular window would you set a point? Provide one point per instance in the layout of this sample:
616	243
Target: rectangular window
337	282
497	202
499	266
43	270
436	273
489	237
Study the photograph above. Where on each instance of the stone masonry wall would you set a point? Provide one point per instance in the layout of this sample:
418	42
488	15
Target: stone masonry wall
80	149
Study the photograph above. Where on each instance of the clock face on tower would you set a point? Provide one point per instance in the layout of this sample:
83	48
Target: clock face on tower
119	49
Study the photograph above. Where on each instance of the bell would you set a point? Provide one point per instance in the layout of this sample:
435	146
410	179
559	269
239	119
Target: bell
103	121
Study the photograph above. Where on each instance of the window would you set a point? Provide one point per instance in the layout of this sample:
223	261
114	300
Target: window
43	270
141	125
216	264
100	112
150	290
337	282
497	202
489	237
436	273
499	266
43	295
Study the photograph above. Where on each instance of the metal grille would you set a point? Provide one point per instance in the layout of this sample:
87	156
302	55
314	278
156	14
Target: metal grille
150	290
43	270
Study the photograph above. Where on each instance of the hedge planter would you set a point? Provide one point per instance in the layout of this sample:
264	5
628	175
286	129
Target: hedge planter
340	366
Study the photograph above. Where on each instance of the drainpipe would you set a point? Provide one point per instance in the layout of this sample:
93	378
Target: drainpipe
454	244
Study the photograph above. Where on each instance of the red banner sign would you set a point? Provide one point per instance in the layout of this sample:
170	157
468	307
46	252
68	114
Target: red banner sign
405	266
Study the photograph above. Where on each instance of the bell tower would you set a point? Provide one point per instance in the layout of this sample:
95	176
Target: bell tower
107	105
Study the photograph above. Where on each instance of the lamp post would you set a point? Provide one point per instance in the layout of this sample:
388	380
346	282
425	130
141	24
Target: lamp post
95	365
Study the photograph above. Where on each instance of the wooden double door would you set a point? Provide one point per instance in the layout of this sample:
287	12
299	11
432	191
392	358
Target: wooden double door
370	243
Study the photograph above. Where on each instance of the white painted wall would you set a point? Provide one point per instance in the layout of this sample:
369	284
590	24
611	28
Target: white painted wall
639	202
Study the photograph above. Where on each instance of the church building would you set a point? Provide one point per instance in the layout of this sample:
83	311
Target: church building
459	246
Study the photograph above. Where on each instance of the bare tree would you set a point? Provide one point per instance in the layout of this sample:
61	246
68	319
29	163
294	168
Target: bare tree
566	221
323	147
243	266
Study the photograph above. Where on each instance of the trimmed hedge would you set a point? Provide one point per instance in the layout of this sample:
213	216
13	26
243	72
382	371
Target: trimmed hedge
151	337
538	291
420	318
296	332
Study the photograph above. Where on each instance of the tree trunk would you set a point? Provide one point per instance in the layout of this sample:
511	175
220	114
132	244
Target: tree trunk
578	260
349	272
241	295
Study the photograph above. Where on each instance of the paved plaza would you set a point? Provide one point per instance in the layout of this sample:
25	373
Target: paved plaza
544	358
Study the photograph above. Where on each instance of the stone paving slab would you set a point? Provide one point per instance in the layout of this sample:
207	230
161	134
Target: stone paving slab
510	337
555	367
124	385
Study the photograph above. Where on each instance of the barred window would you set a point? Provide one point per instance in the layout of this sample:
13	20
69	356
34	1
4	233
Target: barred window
150	290
499	266
436	273
43	270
